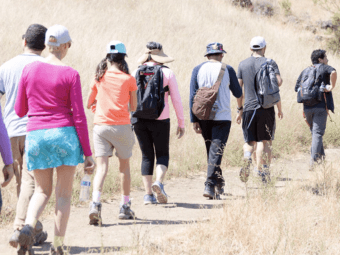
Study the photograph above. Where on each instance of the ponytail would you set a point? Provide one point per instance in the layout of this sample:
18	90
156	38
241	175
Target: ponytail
101	69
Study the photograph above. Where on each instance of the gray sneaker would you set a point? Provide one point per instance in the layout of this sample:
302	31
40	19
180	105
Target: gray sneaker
40	238
26	236
245	170
95	213
56	251
158	189
149	199
125	212
14	239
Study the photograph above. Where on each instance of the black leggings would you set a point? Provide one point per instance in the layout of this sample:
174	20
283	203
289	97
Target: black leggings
153	137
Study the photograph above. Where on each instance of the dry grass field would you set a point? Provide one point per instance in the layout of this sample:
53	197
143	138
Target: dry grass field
184	27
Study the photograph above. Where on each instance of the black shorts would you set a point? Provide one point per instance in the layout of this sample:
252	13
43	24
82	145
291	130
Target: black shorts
258	125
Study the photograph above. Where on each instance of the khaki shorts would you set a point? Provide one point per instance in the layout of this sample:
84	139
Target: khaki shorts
107	138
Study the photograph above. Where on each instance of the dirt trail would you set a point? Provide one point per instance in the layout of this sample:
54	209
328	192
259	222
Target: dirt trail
186	205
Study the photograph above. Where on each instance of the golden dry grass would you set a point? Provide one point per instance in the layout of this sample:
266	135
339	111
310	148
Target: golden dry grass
184	27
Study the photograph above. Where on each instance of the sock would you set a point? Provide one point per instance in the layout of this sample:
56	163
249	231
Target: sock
247	154
125	199
96	196
58	241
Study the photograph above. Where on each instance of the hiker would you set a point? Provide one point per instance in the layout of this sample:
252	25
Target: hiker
57	137
10	72
113	93
6	154
258	123
316	112
152	126
216	127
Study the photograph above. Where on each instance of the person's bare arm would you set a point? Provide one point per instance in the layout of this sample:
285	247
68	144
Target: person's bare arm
279	80
334	77
279	110
239	104
133	101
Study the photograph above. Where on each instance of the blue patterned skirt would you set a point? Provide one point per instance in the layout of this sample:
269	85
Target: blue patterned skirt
49	148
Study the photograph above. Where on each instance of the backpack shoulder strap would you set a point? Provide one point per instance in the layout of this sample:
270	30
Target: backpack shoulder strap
217	84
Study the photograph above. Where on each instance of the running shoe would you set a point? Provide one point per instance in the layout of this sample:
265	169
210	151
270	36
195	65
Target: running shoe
149	199
26	236
125	212
56	251
158	189
209	191
14	239
95	213
40	238
245	170
219	188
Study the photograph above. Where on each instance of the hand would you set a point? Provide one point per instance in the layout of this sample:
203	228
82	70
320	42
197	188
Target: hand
239	117
8	175
89	165
280	114
180	132
197	128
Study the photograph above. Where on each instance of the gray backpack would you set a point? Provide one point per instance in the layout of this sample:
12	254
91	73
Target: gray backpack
266	85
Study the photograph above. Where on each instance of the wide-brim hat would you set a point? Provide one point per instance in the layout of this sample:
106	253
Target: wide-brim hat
157	55
214	48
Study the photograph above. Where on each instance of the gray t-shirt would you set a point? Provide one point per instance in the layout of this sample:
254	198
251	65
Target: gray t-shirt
247	70
10	73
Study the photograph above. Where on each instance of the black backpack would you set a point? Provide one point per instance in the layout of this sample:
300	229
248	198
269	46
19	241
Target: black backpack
266	85
150	93
308	93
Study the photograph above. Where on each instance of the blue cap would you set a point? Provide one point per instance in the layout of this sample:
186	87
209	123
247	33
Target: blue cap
116	47
213	48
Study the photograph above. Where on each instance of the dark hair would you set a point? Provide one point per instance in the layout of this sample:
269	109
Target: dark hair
35	37
113	58
214	54
316	54
153	46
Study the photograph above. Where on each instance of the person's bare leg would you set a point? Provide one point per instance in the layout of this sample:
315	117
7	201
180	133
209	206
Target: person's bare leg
125	179
63	193
160	173
147	180
102	169
42	193
263	154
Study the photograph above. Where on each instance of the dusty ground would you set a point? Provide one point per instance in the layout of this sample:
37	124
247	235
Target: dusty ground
186	205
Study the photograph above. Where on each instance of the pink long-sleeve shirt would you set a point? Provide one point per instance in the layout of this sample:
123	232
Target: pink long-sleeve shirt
51	97
169	79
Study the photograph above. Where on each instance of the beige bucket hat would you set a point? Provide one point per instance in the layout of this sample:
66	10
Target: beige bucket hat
157	55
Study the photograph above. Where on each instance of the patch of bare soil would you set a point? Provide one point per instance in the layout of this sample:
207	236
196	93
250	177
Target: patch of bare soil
154	222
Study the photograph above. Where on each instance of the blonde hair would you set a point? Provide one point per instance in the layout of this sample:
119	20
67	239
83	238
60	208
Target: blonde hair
55	49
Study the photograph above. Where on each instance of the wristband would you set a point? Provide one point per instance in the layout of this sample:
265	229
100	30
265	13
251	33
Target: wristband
240	108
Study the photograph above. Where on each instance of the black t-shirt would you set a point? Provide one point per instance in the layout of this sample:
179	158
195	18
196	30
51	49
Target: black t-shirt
324	74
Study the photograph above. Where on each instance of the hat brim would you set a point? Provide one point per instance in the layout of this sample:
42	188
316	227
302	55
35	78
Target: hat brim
160	58
214	52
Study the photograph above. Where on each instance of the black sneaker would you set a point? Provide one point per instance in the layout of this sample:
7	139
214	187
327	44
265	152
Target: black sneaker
95	213
125	212
219	188
245	170
209	191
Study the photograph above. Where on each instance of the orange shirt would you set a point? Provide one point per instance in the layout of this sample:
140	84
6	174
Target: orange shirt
112	93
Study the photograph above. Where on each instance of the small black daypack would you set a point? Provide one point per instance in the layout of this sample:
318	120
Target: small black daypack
308	93
150	93
266	85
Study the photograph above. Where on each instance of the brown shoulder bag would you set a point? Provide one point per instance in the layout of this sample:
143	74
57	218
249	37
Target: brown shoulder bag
206	97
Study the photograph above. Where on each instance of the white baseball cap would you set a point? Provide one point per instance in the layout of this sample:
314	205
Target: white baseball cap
257	43
57	35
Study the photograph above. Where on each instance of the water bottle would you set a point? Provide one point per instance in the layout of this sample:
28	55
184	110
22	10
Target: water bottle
321	90
85	188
